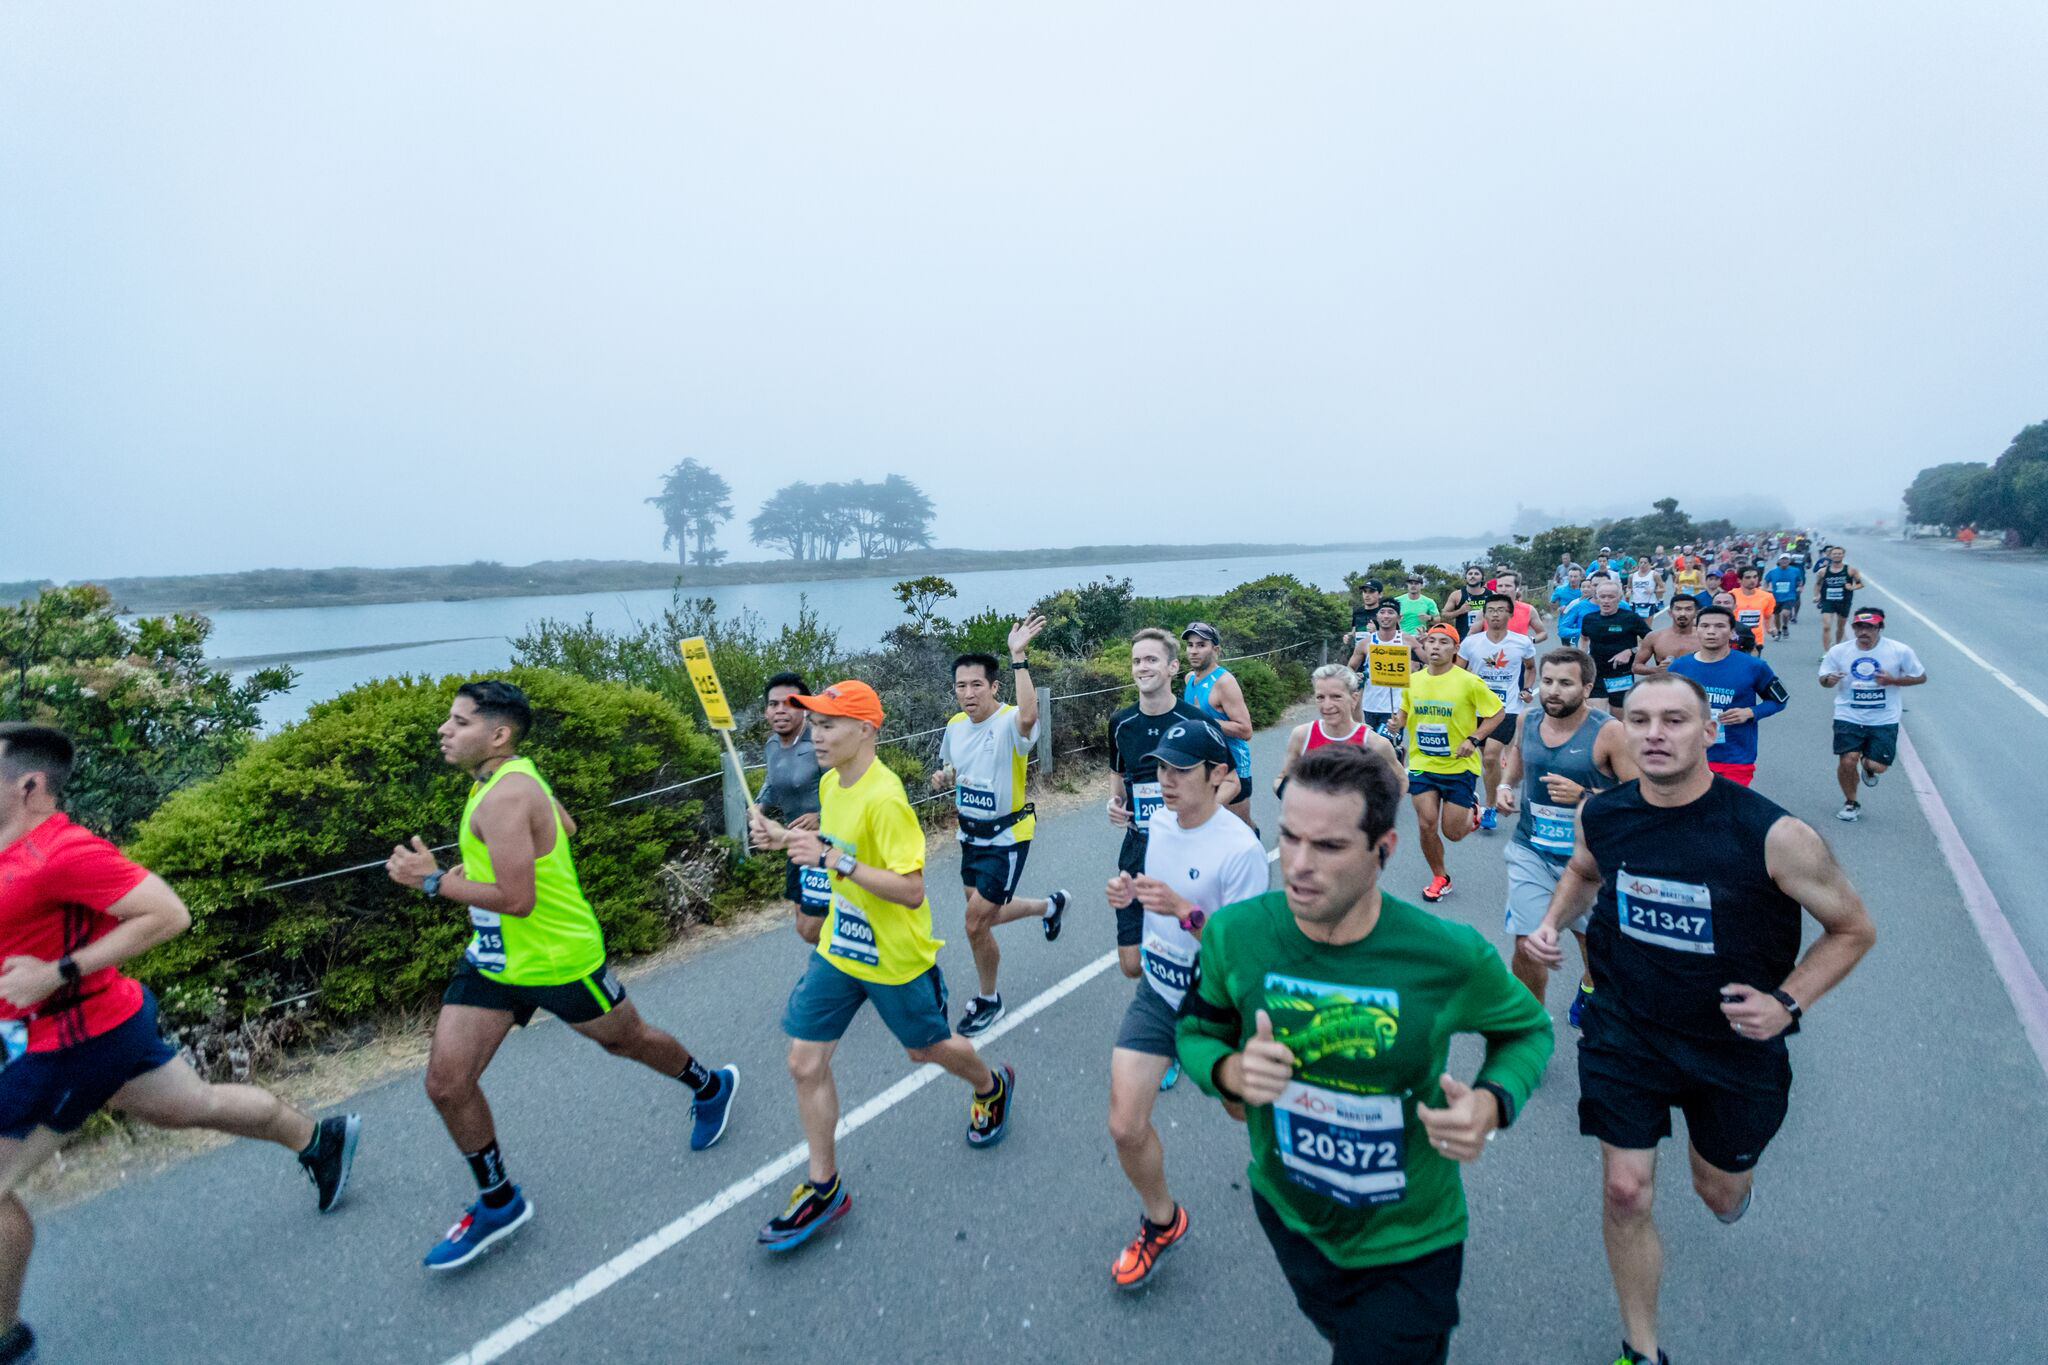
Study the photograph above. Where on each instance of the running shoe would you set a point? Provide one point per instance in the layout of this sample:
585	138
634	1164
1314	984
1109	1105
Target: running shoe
1576	1015
1630	1356
807	1212
1849	811
1134	1267
1748	1198
477	1231
1438	888
1869	777
18	1345
988	1118
1172	1075
980	1015
332	1152
1488	820
1055	914
709	1117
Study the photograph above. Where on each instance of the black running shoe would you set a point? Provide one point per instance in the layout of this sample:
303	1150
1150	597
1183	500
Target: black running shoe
18	1345
334	1151
809	1210
989	1117
1055	914
980	1015
1630	1356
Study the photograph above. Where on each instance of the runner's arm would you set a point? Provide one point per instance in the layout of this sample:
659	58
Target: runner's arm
1799	862
1228	698
150	914
1209	1031
898	888
1647	660
1296	742
1517	1029
504	821
1577	885
1610	753
1770	697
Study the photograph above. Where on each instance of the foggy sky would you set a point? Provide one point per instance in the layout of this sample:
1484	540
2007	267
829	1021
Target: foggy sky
398	283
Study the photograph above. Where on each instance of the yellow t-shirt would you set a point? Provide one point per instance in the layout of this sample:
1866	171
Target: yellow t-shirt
1442	712
866	936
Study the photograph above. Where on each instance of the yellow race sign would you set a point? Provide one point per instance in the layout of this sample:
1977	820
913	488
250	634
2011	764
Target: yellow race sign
703	677
1387	665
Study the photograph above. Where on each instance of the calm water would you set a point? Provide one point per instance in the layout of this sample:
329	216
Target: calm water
435	638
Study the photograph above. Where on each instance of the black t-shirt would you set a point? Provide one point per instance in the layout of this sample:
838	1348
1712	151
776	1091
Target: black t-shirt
1133	736
1605	636
1362	618
1686	906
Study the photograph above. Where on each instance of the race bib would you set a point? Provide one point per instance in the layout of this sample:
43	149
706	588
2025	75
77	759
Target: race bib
978	802
1550	828
1750	618
1348	1148
1720	730
1170	967
1833	591
1866	696
815	889
13	1041
853	938
1498	689
1433	739
1670	914
1620	683
487	942
1145	799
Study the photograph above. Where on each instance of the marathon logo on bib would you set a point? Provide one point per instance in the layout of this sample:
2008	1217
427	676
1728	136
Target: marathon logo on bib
1677	915
1348	1148
978	802
853	938
487	944
1145	799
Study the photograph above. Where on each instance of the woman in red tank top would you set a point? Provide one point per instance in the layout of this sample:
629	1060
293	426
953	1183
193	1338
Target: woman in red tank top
1336	700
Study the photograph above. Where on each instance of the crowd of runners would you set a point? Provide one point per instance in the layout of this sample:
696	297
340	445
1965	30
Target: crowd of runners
1612	718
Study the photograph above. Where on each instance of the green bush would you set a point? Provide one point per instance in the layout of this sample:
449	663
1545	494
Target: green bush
1293	674
362	773
1264	696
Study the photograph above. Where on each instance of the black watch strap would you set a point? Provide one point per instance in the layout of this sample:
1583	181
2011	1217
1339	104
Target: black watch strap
1791	1008
1504	1099
1019	665
68	969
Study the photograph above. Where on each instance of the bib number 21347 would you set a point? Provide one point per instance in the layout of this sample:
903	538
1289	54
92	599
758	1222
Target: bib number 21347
1348	1148
1669	914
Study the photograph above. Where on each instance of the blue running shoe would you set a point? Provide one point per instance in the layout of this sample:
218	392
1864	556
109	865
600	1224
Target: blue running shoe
807	1212
477	1231
1488	820
1172	1075
709	1117
1576	1016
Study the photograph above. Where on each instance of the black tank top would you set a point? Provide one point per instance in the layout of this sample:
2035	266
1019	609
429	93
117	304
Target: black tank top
1834	585
1686	906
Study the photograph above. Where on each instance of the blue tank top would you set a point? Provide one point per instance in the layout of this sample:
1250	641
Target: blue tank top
1196	694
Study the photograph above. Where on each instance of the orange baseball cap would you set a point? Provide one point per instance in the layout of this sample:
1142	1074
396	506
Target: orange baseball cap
1441	629
854	700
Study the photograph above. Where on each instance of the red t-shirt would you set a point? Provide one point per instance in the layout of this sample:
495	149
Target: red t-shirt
56	882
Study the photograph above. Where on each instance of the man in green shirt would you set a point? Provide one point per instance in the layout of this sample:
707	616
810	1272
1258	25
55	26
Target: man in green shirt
1417	610
1326	1009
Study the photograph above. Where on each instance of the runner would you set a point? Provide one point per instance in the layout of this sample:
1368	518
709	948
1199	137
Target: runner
1417	610
1784	583
789	786
1611	635
1562	595
1365	612
78	1033
1525	619
1645	591
1754	607
1211	690
1565	566
1866	674
1467	602
982	760
1690	574
1377	702
1450	713
1506	663
534	944
1674	641
1335	690
1326	1010
1695	944
1572	751
877	947
1741	691
1572	620
1835	586
1197	860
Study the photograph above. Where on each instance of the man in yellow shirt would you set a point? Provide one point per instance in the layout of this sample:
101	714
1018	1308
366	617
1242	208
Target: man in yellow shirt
1449	713
876	947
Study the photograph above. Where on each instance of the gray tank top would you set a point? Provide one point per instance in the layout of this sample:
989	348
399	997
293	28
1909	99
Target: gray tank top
1546	828
792	778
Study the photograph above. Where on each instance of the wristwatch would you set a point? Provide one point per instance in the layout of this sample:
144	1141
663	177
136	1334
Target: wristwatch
67	970
845	866
1019	665
431	886
1791	1008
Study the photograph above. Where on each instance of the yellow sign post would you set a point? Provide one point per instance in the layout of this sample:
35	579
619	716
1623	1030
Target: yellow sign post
717	710
1388	665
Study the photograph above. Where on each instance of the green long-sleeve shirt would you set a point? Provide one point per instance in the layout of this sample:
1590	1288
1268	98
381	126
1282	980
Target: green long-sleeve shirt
1342	1155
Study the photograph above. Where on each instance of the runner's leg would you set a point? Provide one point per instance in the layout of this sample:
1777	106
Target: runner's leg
1724	1192
1133	1088
1428	806
1845	774
624	1033
957	1056
19	1159
174	1096
817	1105
1635	1256
466	1037
1527	970
981	922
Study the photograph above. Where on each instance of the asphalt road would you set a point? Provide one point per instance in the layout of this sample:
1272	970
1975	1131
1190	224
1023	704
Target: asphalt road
1898	1214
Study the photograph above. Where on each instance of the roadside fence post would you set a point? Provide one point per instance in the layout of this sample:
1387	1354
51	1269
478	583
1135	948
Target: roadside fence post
1044	729
735	788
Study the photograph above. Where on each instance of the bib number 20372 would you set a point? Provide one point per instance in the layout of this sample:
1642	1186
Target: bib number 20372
1349	1148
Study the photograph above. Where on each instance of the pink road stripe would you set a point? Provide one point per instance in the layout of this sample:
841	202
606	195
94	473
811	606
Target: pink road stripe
2022	982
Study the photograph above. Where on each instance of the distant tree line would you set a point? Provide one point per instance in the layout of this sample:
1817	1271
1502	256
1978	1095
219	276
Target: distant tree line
2010	494
1535	557
801	520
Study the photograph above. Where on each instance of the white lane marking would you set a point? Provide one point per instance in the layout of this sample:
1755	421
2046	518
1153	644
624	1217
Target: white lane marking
1968	653
2008	958
559	1305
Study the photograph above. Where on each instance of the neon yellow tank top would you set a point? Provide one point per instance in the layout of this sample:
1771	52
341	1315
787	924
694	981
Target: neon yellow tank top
560	941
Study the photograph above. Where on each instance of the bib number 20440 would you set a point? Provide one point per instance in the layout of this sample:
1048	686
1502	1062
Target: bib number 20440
1349	1148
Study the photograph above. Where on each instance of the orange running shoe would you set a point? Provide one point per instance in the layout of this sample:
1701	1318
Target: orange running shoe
1134	1267
1438	888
